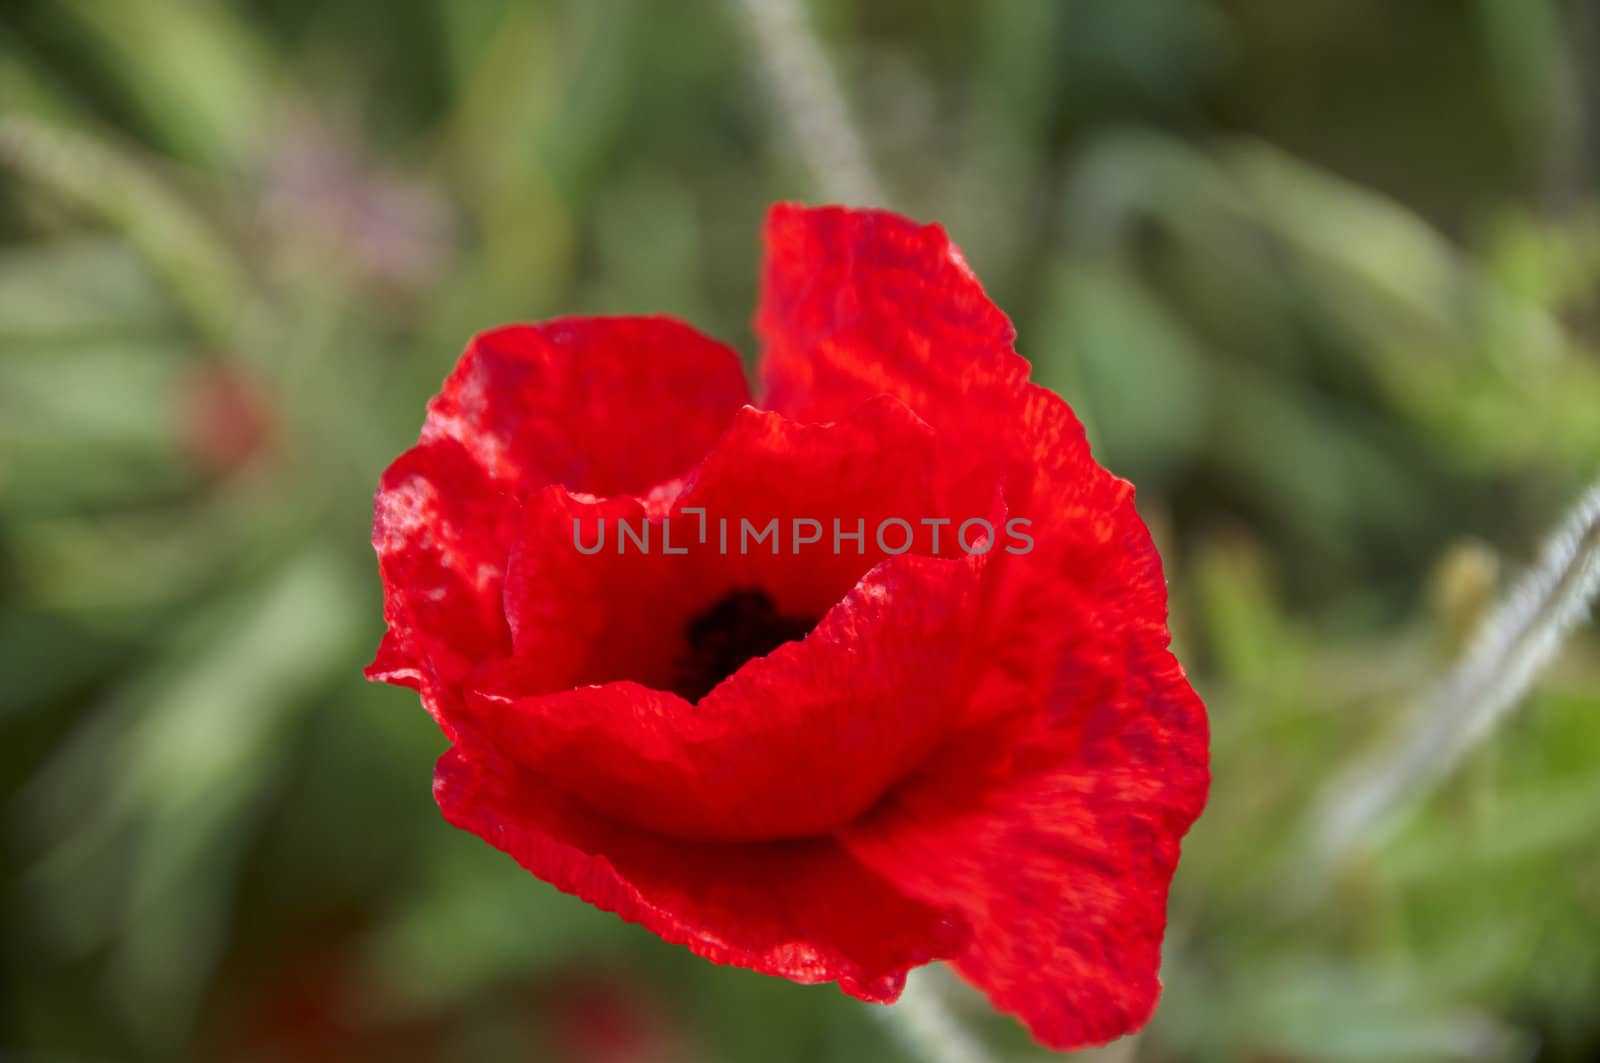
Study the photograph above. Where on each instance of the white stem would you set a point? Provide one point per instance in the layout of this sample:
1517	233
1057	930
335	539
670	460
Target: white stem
808	96
927	1029
1511	650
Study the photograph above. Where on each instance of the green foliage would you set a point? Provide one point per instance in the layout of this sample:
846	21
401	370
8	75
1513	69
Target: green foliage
1319	277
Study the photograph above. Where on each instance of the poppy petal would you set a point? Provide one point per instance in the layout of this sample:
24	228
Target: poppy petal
595	403
605	405
991	759
1056	834
1054	820
1089	570
442	529
803	910
587	605
792	745
857	303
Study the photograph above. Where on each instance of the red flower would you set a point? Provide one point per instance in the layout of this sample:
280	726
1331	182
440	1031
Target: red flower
982	750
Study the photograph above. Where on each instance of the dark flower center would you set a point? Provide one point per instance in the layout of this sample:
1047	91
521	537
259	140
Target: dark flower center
743	625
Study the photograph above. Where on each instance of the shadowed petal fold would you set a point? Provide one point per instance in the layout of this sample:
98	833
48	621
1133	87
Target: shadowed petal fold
794	744
804	910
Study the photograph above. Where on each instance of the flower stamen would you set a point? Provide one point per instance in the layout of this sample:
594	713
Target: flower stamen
743	625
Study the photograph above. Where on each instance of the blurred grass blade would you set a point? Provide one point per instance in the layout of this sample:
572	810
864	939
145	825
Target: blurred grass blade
1513	647
75	288
149	808
806	90
194	73
204	274
925	1027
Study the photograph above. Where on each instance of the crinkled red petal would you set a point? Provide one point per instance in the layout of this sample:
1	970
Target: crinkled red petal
442	530
1026	820
593	403
1056	834
606	405
1053	821
795	742
619	613
793	745
804	910
858	303
1091	572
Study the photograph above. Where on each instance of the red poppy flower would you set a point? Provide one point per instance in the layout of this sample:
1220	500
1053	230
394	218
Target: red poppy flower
854	745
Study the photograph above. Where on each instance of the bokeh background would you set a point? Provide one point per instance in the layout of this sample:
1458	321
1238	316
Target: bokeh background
1321	277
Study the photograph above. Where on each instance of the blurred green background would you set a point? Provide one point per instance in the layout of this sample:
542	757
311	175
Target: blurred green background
1321	277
